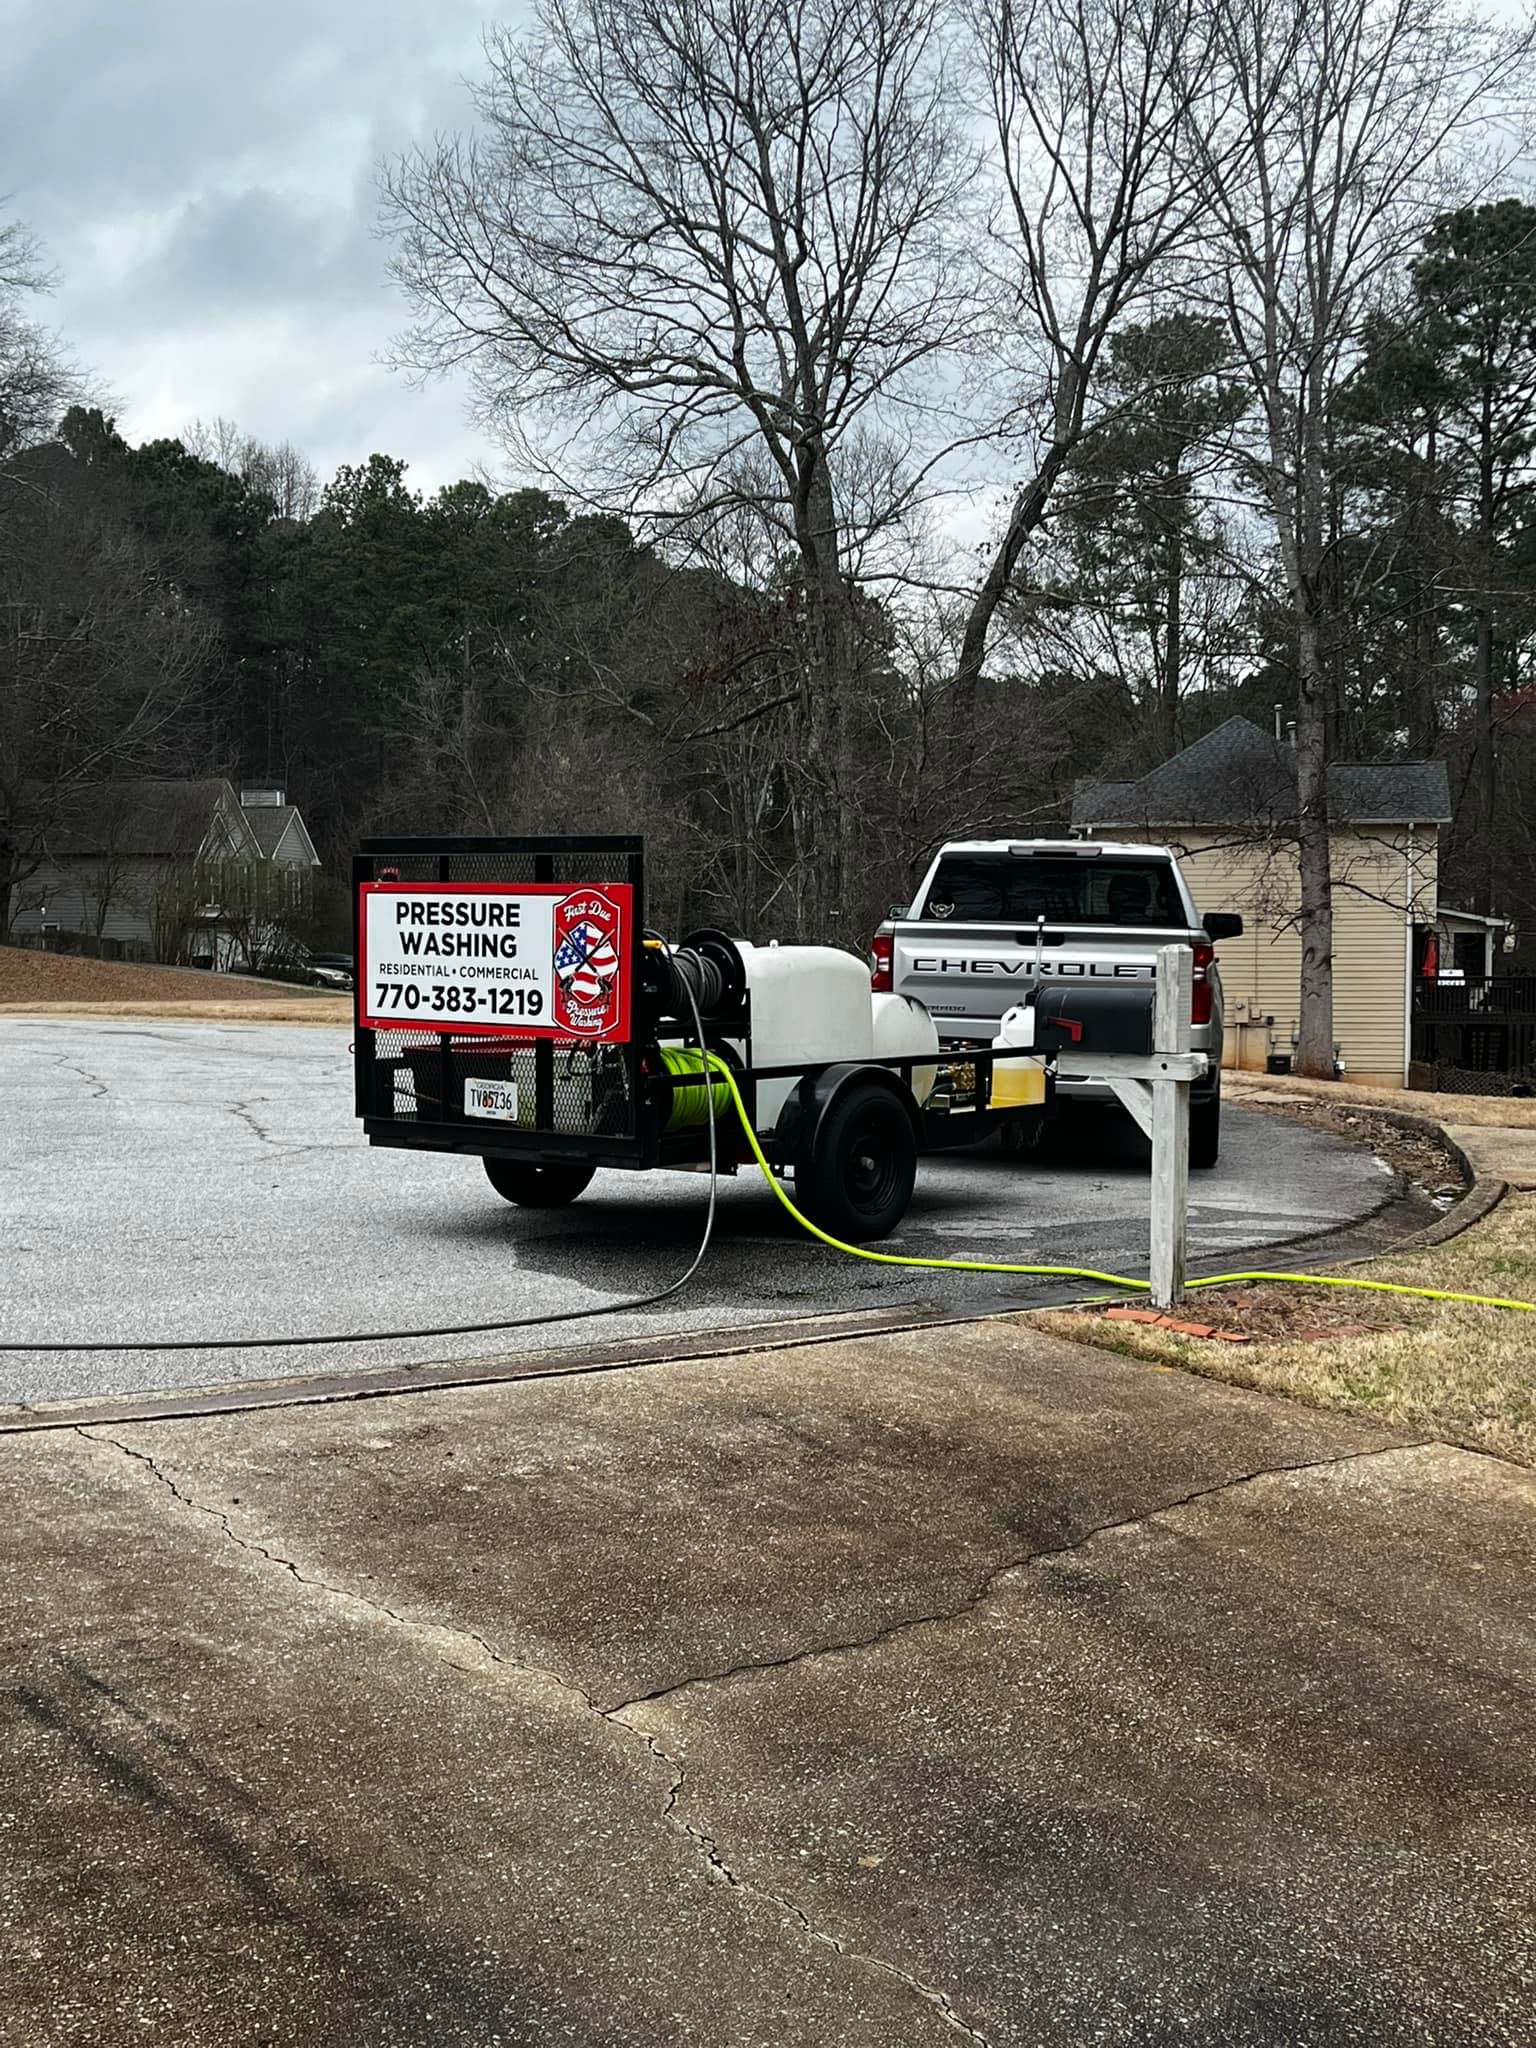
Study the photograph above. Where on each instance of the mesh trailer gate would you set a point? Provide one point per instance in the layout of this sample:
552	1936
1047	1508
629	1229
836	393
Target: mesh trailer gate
495	980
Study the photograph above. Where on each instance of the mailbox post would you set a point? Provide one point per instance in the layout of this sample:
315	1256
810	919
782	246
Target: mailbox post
1171	1007
1154	1086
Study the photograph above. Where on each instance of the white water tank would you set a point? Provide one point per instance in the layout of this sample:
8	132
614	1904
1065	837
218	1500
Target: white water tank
903	1026
810	1004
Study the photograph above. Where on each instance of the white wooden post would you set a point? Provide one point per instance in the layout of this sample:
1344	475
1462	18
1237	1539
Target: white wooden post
1170	1127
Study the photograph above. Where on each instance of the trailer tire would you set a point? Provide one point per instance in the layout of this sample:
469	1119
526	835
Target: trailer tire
536	1186
863	1165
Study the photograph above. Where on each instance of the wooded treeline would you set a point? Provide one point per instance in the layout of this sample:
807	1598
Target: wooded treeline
931	406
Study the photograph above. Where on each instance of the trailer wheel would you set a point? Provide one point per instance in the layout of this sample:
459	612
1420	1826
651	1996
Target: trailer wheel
534	1186
862	1168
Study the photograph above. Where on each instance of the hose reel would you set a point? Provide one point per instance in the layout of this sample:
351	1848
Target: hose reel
708	964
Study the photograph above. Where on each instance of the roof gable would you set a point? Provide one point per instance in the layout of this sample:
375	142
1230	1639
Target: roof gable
1240	775
279	828
154	819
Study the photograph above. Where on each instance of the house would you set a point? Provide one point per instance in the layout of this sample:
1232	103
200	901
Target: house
1227	805
280	831
130	869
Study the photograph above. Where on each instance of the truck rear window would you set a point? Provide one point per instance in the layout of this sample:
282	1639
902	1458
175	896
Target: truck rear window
1005	888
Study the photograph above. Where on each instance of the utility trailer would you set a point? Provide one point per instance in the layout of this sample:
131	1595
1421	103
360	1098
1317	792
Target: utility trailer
512	1005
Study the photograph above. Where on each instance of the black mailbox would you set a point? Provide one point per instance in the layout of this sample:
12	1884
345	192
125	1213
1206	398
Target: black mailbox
1094	1019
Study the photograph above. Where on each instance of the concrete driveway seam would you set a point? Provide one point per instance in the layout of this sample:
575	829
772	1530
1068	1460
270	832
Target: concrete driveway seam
444	1639
465	1650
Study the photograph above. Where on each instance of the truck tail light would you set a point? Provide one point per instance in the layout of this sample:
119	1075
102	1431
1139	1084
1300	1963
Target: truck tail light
1203	993
881	965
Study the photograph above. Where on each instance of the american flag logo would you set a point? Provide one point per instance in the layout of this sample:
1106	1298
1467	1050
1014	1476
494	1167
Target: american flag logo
586	962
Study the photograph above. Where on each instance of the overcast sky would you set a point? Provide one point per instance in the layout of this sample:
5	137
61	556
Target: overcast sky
201	172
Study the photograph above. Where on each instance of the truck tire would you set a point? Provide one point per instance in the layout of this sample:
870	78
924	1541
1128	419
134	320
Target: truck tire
536	1186
1205	1131
862	1168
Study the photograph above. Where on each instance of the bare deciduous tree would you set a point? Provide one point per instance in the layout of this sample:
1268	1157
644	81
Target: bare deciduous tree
278	469
1090	101
707	254
1350	120
38	380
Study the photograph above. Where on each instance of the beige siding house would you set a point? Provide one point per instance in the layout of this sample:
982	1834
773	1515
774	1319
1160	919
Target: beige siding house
1227	806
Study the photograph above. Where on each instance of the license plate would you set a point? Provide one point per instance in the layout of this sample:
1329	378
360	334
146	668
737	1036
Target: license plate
496	1099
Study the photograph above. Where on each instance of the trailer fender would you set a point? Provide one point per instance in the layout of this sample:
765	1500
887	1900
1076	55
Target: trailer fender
808	1107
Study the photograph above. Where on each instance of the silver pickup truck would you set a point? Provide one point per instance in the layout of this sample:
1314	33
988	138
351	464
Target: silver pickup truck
993	917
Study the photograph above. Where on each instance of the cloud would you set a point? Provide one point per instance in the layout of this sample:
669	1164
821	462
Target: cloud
202	173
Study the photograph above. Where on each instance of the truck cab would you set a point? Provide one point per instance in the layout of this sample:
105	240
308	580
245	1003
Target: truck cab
993	919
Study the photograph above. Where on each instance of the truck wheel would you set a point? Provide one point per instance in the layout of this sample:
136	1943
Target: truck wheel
862	1168
534	1186
1205	1131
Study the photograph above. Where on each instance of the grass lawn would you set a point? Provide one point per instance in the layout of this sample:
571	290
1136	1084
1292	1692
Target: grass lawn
1464	1375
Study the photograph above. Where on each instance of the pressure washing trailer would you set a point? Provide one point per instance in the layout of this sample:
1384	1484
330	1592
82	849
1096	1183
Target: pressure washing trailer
511	1004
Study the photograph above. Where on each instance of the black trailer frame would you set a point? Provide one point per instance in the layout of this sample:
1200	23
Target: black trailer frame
600	1105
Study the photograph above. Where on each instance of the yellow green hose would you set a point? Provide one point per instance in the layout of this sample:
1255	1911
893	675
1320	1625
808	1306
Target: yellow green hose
857	1251
689	1106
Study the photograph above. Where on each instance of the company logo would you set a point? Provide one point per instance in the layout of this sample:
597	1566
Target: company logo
589	951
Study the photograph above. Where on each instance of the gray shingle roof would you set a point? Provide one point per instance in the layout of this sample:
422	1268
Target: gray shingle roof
1100	802
152	819
269	822
1241	775
1402	792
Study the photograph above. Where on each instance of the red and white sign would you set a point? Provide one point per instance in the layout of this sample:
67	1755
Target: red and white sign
522	959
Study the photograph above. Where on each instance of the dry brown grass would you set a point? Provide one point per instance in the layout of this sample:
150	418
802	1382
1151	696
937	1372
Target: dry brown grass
1518	1112
60	985
1464	1375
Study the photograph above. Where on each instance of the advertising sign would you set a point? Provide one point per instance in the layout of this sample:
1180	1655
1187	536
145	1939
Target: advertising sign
525	959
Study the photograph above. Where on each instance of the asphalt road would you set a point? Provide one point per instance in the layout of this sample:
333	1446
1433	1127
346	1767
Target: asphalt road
192	1181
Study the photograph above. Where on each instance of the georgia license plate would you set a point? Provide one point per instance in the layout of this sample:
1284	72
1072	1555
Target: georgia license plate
491	1098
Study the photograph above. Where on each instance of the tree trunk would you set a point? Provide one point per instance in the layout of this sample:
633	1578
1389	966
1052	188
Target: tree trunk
824	822
1423	712
1484	758
1485	772
1314	1047
1029	508
1304	562
1173	653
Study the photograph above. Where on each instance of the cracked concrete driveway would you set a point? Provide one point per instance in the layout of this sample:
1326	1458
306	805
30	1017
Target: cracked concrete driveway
955	1685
